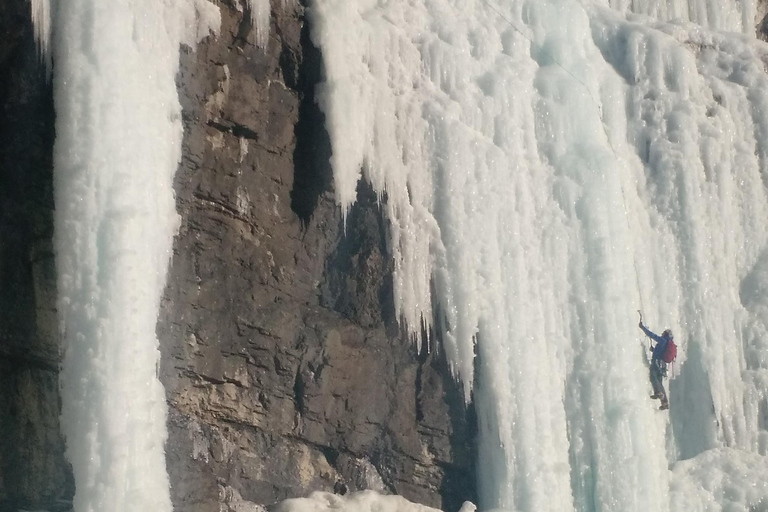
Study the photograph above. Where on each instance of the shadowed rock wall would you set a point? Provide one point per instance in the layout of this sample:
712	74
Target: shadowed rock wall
284	366
33	472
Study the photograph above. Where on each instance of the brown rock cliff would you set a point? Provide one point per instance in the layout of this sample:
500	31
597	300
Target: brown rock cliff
284	367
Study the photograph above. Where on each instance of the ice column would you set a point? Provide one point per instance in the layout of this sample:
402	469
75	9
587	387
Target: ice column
118	143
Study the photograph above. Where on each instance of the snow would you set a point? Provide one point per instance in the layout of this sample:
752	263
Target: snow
118	143
551	167
363	501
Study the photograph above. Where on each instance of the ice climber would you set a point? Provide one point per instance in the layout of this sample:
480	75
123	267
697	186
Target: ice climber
658	363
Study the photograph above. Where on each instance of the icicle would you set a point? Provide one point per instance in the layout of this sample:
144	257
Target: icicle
41	19
260	11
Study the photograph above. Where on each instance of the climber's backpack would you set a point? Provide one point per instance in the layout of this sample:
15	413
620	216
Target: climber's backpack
670	352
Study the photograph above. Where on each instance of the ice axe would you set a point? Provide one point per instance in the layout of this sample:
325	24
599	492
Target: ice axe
639	312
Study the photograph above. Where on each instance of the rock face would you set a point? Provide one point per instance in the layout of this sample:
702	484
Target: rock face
761	19
283	363
33	472
285	369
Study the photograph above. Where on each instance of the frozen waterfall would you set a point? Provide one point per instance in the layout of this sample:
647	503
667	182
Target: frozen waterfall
550	167
118	143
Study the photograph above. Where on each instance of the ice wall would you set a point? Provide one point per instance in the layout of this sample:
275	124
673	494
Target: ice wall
730	16
550	167
118	143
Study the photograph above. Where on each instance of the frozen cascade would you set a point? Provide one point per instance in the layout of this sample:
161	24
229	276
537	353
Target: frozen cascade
118	143
550	167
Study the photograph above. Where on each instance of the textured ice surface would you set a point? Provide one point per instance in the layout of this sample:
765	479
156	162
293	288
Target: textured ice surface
550	167
118	143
